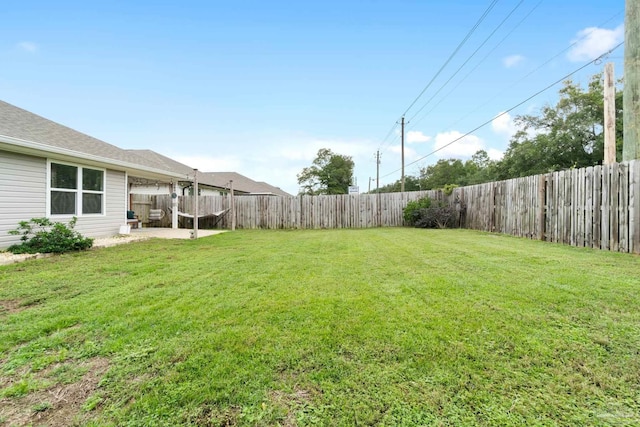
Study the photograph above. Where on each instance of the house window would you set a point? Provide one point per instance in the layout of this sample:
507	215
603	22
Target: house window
76	190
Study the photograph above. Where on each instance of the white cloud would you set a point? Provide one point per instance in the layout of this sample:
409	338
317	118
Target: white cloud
593	42
494	154
308	150
503	124
409	153
462	147
512	60
416	137
28	46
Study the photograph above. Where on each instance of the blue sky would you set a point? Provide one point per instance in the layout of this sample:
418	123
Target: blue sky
258	87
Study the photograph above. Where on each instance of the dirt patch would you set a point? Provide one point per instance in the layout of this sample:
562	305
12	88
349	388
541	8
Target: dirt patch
298	398
57	406
11	306
211	416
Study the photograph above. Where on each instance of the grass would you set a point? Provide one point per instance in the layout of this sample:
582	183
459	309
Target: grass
331	327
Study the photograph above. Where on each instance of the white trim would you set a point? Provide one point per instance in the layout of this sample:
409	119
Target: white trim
126	196
77	191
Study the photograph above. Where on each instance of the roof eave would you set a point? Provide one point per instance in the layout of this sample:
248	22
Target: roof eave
12	144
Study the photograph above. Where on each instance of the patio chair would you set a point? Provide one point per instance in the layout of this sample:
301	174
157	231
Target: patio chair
132	220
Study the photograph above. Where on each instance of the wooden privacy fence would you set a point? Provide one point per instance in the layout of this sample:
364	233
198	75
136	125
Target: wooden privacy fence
597	207
302	212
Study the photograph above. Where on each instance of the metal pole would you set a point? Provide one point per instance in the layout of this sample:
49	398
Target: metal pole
174	205
195	203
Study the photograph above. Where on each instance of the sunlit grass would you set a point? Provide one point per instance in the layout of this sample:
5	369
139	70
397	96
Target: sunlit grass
333	327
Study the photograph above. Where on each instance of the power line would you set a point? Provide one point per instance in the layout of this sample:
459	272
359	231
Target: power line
506	18
466	38
385	147
395	125
415	122
462	43
510	109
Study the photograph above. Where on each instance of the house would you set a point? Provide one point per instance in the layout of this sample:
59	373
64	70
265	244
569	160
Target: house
242	185
50	170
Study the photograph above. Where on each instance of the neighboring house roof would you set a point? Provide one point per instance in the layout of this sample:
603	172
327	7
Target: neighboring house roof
21	130
268	188
245	185
221	180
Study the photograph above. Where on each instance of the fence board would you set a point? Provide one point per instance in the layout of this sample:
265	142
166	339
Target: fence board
597	206
614	207
623	208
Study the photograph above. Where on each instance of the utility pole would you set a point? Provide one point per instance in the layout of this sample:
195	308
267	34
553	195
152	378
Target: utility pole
631	107
377	170
609	115
402	139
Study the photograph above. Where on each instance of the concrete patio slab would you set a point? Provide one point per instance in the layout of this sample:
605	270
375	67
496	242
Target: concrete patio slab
172	233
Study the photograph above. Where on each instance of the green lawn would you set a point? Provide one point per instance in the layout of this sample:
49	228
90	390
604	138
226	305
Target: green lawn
331	327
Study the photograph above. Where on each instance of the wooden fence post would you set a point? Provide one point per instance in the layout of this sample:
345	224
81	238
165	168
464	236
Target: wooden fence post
542	194
232	204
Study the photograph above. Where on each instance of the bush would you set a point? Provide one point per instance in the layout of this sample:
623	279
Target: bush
422	213
436	217
448	189
41	235
411	212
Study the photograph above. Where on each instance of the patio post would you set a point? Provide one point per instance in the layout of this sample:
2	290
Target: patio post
174	205
195	203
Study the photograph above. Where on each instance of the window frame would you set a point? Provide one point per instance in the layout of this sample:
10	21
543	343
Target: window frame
78	191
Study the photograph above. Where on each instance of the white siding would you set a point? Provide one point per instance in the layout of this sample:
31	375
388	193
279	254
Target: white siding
22	192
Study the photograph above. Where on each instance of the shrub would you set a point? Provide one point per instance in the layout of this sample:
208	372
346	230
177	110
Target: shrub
411	212
41	235
435	217
448	189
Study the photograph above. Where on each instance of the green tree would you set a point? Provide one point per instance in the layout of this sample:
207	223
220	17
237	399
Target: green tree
480	168
568	134
445	171
330	173
411	183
